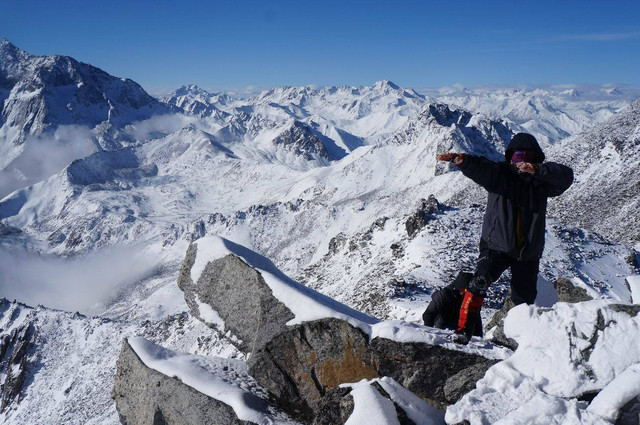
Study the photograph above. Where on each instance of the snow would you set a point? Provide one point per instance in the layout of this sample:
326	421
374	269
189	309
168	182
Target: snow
373	408
225	380
563	353
634	284
617	393
306	304
370	407
218	173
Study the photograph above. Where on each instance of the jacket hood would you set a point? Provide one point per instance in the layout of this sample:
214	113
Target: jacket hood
524	142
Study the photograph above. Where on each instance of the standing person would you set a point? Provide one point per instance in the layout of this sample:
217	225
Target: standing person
514	221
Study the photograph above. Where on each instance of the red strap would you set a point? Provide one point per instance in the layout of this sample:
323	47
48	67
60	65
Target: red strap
471	303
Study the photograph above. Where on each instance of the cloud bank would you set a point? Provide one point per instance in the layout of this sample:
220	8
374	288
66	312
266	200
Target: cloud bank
82	284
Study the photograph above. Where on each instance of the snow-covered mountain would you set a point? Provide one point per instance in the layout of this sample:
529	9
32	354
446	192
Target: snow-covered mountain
328	183
551	113
606	194
57	107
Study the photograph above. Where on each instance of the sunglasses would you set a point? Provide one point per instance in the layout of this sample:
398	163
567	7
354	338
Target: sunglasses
521	156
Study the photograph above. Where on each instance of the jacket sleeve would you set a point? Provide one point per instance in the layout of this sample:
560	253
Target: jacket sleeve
488	174
556	177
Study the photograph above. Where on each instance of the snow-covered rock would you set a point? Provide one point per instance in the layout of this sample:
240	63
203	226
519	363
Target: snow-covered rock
564	354
157	385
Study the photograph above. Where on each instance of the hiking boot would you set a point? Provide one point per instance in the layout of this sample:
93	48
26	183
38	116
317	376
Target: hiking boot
460	337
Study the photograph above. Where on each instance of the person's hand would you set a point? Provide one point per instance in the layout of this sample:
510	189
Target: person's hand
525	167
454	158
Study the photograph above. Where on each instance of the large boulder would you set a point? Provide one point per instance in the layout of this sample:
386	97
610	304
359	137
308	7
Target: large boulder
438	375
146	396
300	365
231	296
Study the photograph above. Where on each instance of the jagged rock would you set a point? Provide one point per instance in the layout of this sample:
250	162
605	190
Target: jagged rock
436	374
497	322
241	297
424	214
300	139
14	349
299	366
145	396
568	292
336	407
630	413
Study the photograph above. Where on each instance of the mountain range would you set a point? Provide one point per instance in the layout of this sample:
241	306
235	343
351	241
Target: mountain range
327	182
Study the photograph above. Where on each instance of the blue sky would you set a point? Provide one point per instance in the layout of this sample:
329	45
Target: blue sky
232	44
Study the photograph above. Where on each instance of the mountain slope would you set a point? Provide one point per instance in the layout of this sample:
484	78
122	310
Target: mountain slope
606	194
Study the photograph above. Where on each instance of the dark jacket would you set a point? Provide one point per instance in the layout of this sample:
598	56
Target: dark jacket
444	309
517	203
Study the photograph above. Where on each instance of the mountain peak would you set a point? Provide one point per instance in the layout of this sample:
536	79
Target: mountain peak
9	51
385	84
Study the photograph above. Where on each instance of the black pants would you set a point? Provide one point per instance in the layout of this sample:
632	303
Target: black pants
524	275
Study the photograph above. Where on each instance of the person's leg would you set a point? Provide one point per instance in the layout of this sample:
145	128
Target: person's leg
491	264
524	279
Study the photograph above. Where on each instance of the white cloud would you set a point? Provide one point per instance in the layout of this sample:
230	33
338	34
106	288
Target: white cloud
43	156
83	284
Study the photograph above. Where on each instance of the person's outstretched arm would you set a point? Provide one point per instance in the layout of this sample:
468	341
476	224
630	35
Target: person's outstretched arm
486	173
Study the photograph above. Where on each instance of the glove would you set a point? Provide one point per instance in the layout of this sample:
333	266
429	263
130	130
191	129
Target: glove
525	168
454	158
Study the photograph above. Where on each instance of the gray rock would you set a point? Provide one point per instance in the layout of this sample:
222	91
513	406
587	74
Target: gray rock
630	413
497	322
299	367
336	407
436	374
145	396
241	297
14	350
568	292
425	213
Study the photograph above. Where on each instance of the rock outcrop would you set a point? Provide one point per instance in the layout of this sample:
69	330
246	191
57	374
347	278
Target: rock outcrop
13	365
437	375
14	356
146	396
425	213
300	365
569	293
238	294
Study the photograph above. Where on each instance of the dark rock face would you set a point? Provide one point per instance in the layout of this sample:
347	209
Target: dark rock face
437	375
336	407
424	214
145	396
302	141
14	350
568	292
240	296
299	366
